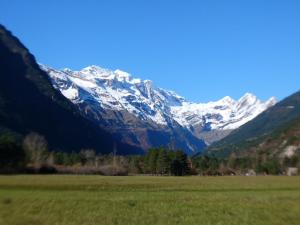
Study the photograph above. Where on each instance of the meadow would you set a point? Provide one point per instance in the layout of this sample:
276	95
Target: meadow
89	200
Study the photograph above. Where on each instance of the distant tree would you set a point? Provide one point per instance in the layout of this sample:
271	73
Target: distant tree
88	157
214	163
207	164
74	158
103	160
151	161
201	163
223	169
232	161
12	155
67	159
270	166
50	159
36	148
176	168
136	164
59	158
163	162
180	165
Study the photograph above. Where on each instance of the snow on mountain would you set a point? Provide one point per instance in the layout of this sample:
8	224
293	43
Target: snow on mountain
225	114
115	90
119	91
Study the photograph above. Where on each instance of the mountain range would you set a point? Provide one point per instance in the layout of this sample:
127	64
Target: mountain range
141	114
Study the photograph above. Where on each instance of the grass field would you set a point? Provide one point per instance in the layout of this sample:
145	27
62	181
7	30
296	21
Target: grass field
83	200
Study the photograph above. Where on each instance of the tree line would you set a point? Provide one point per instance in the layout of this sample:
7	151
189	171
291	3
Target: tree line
31	155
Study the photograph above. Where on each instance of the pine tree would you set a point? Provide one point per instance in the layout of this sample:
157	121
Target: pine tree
163	162
151	161
180	165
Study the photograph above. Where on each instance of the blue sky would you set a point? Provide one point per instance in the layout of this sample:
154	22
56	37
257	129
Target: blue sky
203	50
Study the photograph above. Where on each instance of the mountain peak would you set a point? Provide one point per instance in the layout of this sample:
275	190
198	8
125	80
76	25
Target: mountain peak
92	69
96	72
271	101
122	74
248	99
248	95
67	70
226	100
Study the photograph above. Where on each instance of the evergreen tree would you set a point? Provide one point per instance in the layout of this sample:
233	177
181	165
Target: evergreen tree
201	163
176	168
151	161
180	165
270	166
12	155
163	162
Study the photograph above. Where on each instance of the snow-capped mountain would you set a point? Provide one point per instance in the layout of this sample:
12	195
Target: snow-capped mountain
225	114
116	90
147	116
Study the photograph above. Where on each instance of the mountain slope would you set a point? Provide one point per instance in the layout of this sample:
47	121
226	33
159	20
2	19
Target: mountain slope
220	117
130	108
29	103
146	116
277	124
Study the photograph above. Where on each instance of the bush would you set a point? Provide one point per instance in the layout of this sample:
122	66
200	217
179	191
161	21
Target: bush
110	170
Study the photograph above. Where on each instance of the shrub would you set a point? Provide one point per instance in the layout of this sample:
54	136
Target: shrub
110	170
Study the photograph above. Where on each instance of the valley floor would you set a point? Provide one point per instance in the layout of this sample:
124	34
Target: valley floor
87	200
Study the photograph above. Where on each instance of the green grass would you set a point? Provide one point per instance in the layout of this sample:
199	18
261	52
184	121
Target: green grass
87	200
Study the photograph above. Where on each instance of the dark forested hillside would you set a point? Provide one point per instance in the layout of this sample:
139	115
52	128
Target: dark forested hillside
29	103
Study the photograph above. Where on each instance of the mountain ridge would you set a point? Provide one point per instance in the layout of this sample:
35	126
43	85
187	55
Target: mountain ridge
140	104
